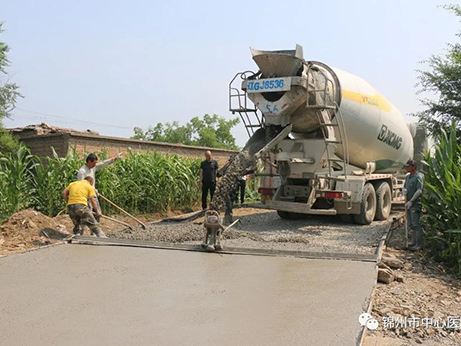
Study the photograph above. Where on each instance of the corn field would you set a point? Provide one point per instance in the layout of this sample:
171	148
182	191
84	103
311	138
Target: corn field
141	183
145	183
442	200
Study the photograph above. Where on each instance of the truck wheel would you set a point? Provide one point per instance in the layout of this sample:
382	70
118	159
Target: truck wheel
283	214
383	201
347	218
291	216
367	206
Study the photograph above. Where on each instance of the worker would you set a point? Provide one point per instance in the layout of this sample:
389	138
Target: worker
413	189
241	184
77	195
90	168
92	165
208	172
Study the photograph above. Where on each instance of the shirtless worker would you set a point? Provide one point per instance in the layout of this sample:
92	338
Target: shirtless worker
77	195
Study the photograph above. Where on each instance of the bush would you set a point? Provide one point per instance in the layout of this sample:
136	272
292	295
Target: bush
8	144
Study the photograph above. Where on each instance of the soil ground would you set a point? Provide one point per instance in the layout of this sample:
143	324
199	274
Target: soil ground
29	229
427	291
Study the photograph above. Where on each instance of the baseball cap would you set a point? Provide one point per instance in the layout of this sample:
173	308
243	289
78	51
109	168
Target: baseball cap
410	163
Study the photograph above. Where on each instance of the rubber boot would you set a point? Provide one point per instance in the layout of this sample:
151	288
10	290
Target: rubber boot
418	239
419	242
78	230
100	234
211	245
205	243
218	245
413	238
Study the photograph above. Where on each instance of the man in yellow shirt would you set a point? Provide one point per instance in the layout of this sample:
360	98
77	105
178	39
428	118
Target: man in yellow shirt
77	195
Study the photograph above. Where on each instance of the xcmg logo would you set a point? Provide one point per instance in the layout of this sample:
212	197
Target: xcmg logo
370	101
390	138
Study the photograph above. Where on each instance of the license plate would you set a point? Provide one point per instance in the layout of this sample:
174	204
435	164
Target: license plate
268	85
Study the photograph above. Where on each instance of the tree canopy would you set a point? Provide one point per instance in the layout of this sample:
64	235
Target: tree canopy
211	131
8	96
444	80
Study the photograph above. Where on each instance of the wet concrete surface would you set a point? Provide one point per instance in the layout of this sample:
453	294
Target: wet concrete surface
97	295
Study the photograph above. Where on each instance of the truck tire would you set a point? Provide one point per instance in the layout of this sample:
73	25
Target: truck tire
291	216
383	201
367	206
347	218
283	214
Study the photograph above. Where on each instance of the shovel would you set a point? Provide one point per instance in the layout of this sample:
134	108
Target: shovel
118	221
231	225
406	226
119	208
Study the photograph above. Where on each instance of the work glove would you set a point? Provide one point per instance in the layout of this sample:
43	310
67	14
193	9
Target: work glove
404	192
409	204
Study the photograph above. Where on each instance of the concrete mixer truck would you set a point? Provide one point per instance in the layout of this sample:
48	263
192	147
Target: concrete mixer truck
336	143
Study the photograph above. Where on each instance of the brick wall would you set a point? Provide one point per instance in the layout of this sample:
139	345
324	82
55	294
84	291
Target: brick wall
41	145
87	143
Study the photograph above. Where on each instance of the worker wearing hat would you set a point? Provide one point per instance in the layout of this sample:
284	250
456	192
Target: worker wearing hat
413	189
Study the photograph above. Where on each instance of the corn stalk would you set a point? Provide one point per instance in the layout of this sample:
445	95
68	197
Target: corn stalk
442	200
16	182
141	183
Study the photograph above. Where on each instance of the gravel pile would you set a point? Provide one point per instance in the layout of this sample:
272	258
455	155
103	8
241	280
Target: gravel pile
177	233
315	233
266	230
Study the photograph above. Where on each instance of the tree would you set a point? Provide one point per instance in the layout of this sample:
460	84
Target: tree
212	131
8	97
444	79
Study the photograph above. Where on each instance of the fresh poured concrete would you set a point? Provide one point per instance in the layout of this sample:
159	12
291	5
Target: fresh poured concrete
98	295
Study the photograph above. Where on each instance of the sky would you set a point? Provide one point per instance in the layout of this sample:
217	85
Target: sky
112	65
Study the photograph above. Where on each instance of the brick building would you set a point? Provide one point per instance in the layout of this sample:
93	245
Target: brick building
41	138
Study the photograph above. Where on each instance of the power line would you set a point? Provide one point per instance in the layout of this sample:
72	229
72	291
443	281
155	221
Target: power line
68	119
41	118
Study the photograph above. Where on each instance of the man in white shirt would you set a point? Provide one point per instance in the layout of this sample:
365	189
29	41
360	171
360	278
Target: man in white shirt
89	170
92	165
